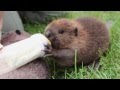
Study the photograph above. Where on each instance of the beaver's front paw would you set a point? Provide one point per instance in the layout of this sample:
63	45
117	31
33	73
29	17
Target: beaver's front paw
48	49
55	53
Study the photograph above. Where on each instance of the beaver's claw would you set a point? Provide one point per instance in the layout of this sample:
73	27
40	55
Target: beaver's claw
48	49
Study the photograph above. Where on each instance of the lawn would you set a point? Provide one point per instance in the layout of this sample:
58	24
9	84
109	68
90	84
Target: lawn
110	64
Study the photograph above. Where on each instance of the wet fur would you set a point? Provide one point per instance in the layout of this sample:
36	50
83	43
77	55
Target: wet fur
37	69
88	35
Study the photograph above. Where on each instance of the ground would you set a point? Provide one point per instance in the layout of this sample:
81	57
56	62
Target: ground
109	64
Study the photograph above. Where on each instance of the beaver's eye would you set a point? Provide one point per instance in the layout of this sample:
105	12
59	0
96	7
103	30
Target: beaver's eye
18	32
61	31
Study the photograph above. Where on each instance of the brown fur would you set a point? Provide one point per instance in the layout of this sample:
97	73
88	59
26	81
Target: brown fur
88	35
37	69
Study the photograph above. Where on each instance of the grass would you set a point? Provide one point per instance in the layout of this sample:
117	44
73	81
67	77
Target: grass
110	64
75	63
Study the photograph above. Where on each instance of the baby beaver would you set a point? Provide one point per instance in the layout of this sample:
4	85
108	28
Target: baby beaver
89	36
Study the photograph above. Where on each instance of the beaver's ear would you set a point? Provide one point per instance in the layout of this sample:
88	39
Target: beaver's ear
18	32
76	32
